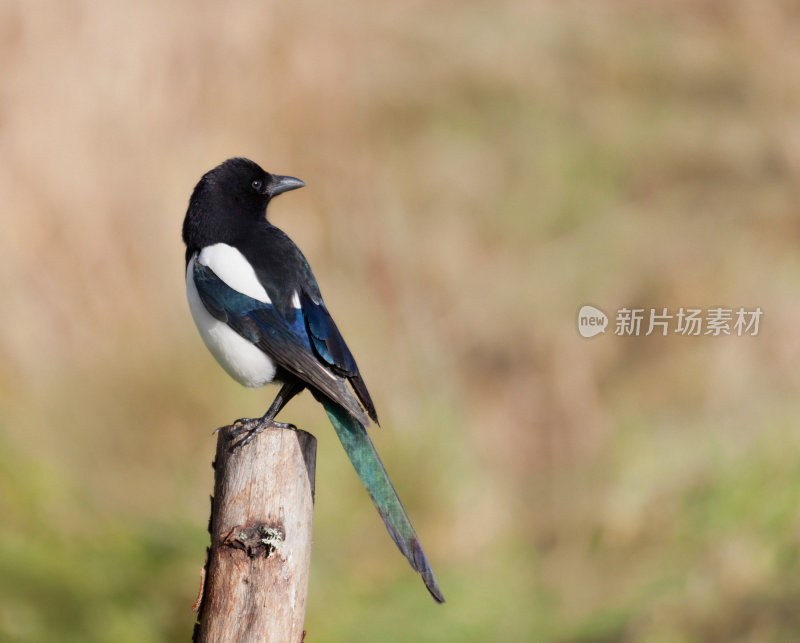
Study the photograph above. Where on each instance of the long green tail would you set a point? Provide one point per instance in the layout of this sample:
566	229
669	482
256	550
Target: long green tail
370	469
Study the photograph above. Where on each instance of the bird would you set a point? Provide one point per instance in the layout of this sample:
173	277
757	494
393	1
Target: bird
259	311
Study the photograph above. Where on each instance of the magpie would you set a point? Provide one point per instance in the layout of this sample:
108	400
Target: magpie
259	311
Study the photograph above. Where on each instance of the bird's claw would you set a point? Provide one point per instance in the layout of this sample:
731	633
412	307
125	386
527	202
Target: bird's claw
250	427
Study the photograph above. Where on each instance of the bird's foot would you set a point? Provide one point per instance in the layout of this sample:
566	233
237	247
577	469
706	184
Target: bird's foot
243	430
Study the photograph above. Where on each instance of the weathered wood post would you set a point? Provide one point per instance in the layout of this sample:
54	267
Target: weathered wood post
256	575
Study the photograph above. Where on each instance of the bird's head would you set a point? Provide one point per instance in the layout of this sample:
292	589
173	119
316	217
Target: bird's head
230	198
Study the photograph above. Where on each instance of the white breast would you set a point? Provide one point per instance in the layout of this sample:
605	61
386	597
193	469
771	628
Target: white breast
243	360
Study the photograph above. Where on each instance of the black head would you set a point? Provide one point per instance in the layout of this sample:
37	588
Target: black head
229	200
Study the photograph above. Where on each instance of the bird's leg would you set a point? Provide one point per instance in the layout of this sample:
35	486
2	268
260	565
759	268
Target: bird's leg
251	427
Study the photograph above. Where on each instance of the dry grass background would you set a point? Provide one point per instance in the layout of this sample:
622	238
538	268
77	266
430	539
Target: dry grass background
476	172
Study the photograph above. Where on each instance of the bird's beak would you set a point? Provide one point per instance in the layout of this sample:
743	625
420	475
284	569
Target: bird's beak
281	184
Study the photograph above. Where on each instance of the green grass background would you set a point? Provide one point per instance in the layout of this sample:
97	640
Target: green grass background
476	172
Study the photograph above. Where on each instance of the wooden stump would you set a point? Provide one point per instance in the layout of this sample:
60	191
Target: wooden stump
256	576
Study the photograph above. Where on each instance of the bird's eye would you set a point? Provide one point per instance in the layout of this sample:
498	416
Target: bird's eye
257	184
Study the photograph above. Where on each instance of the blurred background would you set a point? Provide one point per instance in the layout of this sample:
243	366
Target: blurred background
476	173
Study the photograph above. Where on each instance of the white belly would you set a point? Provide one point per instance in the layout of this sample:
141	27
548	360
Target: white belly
243	360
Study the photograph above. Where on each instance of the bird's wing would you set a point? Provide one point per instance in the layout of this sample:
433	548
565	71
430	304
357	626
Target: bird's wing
330	347
283	337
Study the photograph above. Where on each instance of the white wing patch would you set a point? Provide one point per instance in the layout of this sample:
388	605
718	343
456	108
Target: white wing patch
295	299
230	265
